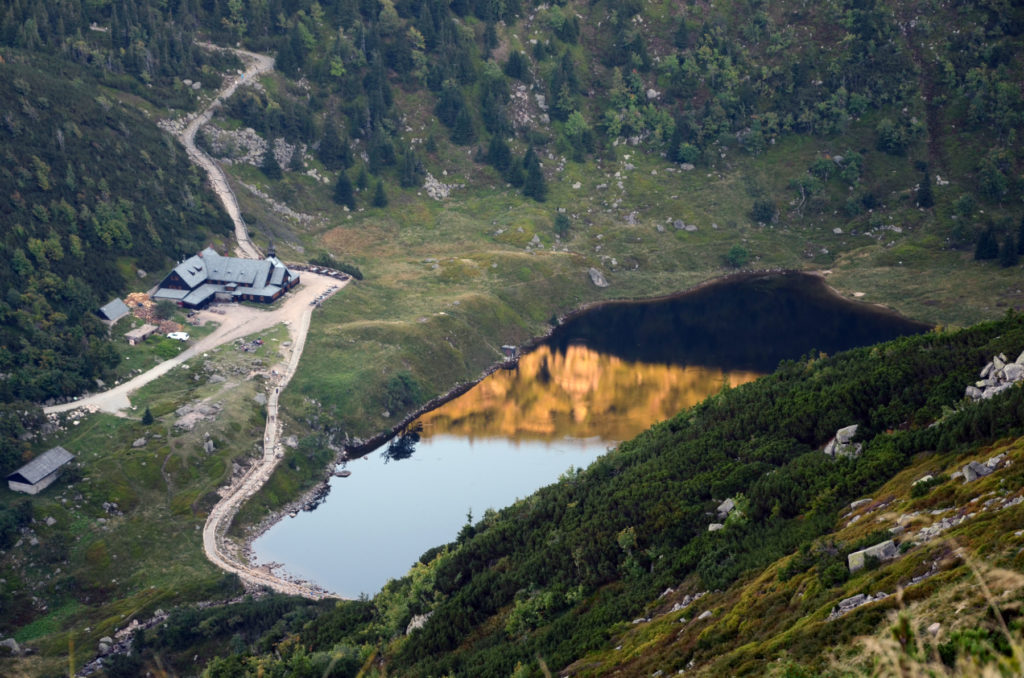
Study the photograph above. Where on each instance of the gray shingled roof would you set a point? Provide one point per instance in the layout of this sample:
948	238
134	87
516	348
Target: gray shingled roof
42	466
114	309
201	293
166	293
193	270
251	272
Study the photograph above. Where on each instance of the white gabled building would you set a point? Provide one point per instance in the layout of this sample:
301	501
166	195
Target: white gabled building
38	474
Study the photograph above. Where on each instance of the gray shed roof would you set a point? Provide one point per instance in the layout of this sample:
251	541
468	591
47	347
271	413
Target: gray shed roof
42	466
114	309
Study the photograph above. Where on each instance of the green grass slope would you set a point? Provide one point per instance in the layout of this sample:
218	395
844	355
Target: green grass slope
585	575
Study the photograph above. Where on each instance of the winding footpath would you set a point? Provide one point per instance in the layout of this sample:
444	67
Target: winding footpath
257	64
235	321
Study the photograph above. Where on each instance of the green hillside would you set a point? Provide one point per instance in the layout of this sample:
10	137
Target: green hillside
477	160
611	568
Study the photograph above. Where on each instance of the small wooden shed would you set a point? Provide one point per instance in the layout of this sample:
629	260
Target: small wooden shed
38	474
139	334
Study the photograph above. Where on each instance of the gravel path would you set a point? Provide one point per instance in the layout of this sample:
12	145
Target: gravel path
221	551
295	311
257	64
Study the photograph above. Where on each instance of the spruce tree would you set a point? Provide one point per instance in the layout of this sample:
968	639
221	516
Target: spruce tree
334	152
380	199
534	185
343	194
924	192
147	417
463	134
411	170
988	245
498	154
270	166
1020	237
1008	252
362	179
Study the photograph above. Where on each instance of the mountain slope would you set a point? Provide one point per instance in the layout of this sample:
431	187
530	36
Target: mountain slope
558	577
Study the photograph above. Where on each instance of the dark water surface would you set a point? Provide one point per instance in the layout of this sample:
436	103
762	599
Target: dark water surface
603	377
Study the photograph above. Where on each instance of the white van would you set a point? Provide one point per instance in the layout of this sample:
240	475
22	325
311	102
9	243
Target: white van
180	336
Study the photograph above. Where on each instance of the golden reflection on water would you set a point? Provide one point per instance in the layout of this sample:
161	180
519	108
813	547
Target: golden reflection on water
578	394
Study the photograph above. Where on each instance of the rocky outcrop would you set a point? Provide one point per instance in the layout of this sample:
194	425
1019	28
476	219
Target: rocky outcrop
887	550
997	376
842	445
436	189
417	622
853	602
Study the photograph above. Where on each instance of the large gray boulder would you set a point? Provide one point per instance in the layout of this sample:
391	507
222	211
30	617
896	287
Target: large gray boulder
725	508
842	445
887	550
597	278
12	645
973	470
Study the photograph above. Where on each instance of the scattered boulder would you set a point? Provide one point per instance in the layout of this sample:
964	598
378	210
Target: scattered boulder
292	441
12	645
50	521
887	550
597	278
706	614
842	445
725	508
973	470
217	379
208	446
715	527
139	442
854	505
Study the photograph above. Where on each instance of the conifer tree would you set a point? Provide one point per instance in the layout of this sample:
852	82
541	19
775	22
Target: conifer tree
463	134
362	179
270	166
411	169
380	199
987	247
343	194
924	192
1008	252
334	152
147	417
534	185
1020	237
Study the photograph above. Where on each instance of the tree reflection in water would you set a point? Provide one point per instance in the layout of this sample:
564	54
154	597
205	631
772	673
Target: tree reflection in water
404	445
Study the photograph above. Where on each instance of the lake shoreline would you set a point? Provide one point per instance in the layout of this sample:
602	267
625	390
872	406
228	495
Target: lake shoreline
351	450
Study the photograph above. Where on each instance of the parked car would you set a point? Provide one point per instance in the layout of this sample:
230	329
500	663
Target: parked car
180	336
